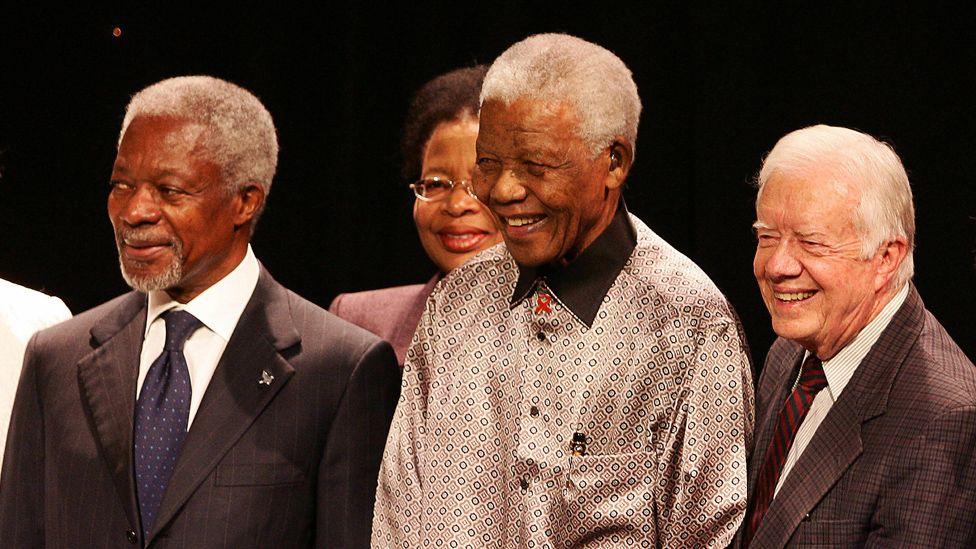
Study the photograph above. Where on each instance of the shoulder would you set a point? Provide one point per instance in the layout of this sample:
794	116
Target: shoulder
25	310
665	277
485	276
325	335
936	373
125	307
352	306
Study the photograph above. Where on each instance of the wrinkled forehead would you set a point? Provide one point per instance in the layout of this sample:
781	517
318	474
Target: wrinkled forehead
806	200
528	122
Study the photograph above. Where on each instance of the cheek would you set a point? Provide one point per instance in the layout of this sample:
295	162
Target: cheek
423	216
758	264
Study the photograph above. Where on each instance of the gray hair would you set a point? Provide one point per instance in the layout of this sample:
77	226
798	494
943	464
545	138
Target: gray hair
885	210
560	68
240	136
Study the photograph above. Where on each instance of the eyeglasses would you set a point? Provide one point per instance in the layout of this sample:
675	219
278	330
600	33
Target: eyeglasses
433	189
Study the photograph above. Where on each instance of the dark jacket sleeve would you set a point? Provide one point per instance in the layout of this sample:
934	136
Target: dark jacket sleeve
354	449
22	481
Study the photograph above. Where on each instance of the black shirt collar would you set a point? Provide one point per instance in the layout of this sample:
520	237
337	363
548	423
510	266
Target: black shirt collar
582	285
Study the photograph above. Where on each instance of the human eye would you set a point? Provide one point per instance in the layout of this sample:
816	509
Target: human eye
433	187
169	190
813	245
765	239
487	164
117	185
536	169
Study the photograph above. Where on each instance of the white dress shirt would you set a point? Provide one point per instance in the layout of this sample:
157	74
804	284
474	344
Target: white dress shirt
22	312
219	308
838	371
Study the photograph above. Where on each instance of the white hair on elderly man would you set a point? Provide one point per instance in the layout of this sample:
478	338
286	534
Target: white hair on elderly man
885	210
240	136
560	68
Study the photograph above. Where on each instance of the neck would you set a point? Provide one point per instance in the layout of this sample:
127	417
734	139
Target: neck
883	297
611	204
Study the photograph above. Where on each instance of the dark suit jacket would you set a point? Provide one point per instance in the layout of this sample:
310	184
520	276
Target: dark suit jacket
290	464
894	461
391	313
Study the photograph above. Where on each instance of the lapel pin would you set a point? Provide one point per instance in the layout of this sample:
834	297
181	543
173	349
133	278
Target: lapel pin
266	378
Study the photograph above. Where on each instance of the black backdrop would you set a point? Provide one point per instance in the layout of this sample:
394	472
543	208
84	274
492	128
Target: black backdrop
720	83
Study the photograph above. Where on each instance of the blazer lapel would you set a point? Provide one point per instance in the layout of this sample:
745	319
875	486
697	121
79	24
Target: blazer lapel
773	405
107	383
249	375
837	441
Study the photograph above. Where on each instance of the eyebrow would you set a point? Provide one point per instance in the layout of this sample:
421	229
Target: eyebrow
760	225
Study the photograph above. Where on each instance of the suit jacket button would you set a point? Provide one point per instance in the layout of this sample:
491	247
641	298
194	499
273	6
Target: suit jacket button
131	536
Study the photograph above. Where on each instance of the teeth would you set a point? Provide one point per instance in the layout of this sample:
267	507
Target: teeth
520	221
792	297
460	237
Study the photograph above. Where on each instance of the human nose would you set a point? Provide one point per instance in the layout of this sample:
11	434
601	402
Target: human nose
507	188
781	262
140	207
461	200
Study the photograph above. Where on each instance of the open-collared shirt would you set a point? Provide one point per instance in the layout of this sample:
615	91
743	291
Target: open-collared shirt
219	307
604	403
838	371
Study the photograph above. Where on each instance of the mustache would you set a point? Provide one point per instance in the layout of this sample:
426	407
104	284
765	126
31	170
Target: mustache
125	234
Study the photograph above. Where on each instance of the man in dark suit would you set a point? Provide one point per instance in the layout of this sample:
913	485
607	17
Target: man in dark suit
866	410
212	407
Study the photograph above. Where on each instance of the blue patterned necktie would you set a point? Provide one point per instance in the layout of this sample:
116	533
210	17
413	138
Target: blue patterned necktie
162	415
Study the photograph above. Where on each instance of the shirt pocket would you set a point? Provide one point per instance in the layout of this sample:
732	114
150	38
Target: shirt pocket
611	492
258	474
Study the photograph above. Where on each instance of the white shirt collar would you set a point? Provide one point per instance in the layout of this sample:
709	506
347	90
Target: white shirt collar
220	306
840	368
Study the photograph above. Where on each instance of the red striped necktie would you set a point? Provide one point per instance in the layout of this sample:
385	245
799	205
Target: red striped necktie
810	382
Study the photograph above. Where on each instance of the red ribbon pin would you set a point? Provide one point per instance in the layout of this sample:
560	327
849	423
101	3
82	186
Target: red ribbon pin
543	302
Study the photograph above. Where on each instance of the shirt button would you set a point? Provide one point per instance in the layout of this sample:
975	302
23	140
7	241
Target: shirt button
524	483
540	336
534	411
131	536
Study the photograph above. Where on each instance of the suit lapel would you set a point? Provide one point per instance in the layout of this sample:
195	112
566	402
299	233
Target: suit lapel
236	395
107	383
837	441
773	405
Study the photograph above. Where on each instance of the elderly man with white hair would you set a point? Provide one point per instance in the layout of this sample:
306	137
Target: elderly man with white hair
210	407
866	431
587	385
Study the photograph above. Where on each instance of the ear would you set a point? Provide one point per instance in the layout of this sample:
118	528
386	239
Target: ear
618	157
889	258
249	198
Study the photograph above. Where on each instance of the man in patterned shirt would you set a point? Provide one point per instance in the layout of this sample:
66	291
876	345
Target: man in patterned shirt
586	386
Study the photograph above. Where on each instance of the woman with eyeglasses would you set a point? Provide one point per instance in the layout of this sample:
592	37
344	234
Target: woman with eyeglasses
439	156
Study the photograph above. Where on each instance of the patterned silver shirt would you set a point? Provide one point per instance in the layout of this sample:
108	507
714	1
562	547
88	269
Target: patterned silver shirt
655	389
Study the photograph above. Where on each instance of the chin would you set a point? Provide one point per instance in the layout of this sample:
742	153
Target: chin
529	259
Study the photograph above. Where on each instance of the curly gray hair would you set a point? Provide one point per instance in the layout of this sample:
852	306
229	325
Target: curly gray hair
564	68
240	136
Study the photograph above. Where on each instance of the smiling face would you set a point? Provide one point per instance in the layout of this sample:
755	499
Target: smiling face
551	196
177	227
819	291
456	228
